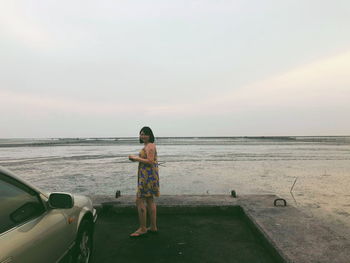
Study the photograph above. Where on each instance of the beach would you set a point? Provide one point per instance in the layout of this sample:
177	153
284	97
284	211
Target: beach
319	168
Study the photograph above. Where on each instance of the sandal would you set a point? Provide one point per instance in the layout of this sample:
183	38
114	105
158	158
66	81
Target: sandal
138	234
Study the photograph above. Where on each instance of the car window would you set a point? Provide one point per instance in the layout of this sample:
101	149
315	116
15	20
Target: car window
17	205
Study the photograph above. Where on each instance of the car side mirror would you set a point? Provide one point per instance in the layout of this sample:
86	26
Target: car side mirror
61	200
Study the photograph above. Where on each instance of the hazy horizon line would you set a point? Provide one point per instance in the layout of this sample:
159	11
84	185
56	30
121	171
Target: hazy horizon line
201	136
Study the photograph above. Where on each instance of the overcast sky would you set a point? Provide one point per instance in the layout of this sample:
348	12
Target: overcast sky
184	68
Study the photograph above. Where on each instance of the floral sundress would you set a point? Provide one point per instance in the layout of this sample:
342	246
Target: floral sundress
147	177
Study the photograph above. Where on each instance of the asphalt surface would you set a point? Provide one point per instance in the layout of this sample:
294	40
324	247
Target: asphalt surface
181	238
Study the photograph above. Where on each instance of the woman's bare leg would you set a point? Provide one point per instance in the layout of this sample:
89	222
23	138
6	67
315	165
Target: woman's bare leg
152	210
142	212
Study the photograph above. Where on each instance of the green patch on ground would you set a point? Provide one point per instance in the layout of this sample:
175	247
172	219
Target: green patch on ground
181	238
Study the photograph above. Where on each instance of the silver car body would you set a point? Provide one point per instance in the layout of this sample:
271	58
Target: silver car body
48	237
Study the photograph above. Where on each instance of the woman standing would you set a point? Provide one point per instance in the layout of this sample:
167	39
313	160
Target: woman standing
147	183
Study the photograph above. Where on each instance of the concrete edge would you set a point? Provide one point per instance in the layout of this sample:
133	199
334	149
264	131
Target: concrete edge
273	246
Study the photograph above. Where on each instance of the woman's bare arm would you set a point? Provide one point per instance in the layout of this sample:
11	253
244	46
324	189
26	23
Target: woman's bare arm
150	152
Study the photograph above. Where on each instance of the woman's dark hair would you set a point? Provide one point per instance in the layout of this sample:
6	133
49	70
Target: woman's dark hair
147	131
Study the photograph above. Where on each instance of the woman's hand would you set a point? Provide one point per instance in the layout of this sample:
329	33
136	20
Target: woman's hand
133	158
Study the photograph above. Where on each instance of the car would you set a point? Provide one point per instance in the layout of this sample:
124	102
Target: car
40	227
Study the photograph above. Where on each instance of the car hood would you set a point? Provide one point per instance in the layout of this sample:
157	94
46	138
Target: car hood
81	201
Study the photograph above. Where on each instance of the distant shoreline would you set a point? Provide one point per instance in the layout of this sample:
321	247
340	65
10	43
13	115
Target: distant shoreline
21	142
